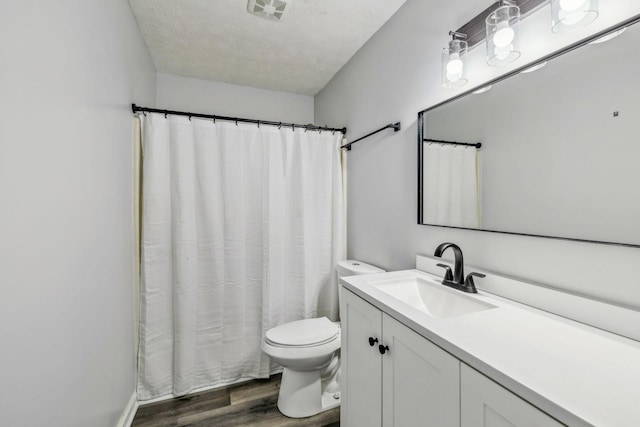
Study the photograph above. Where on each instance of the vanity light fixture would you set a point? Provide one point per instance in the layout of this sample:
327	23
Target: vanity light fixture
534	68
502	36
482	89
609	36
571	15
454	73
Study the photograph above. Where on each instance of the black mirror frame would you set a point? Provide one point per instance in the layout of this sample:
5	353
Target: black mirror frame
420	125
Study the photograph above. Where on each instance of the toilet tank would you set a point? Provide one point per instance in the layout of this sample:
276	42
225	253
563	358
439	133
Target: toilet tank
351	267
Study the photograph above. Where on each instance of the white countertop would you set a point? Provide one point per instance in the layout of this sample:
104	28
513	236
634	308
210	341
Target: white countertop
578	374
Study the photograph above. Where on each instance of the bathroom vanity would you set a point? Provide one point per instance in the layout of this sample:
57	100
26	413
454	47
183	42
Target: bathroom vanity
415	352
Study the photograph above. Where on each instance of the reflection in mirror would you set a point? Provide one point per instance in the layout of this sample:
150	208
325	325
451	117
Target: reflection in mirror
451	183
560	151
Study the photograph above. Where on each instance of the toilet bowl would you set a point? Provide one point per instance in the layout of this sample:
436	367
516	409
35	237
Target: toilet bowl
309	352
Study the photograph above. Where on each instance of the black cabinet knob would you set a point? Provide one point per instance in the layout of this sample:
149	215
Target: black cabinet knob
372	341
383	348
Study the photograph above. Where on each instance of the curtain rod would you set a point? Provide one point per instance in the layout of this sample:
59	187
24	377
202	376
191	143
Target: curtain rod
394	126
137	109
477	144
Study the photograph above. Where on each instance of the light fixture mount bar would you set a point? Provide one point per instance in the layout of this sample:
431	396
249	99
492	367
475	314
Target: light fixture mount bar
455	35
475	29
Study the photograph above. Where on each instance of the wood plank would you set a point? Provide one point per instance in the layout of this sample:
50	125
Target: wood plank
164	414
330	418
257	413
233	415
255	390
252	404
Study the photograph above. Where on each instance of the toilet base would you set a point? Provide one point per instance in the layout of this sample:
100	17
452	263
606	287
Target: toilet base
302	394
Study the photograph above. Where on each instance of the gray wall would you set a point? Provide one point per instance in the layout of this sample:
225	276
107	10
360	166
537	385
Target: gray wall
70	70
396	74
209	97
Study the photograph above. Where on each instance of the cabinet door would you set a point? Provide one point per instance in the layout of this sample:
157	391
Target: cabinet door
487	404
420	381
361	364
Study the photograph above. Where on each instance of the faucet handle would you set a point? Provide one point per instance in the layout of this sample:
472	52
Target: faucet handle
448	274
468	282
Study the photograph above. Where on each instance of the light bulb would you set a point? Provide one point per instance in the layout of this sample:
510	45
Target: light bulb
502	53
571	5
504	36
453	78
454	66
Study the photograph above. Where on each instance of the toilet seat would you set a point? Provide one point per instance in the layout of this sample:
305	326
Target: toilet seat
303	333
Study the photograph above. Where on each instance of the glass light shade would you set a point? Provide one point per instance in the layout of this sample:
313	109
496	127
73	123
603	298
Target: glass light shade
502	35
454	73
571	15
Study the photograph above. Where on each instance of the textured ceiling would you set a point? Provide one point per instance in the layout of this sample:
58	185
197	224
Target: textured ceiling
219	40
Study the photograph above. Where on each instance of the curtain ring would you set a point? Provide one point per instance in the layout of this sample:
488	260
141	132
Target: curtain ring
144	113
189	117
293	129
165	115
258	124
279	125
236	122
333	132
214	120
306	128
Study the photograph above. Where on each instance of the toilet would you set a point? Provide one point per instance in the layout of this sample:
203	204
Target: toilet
309	352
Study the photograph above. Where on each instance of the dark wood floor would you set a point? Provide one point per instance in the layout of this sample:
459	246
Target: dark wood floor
249	404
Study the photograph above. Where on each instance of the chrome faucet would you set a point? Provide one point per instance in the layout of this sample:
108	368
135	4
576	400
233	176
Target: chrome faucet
456	280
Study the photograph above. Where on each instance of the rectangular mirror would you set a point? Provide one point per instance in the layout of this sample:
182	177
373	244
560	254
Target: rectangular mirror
559	154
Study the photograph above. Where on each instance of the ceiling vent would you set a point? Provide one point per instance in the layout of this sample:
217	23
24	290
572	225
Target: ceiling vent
270	9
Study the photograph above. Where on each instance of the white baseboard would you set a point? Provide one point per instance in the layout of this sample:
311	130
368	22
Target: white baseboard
129	412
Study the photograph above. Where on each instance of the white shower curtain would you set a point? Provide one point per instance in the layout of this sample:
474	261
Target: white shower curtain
242	228
451	185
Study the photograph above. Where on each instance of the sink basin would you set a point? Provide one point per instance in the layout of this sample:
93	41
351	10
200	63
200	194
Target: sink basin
431	298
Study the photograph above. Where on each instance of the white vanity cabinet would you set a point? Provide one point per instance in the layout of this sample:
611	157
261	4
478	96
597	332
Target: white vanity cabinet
412	383
487	404
474	360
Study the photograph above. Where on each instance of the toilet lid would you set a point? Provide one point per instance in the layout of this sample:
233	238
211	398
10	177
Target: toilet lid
303	332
